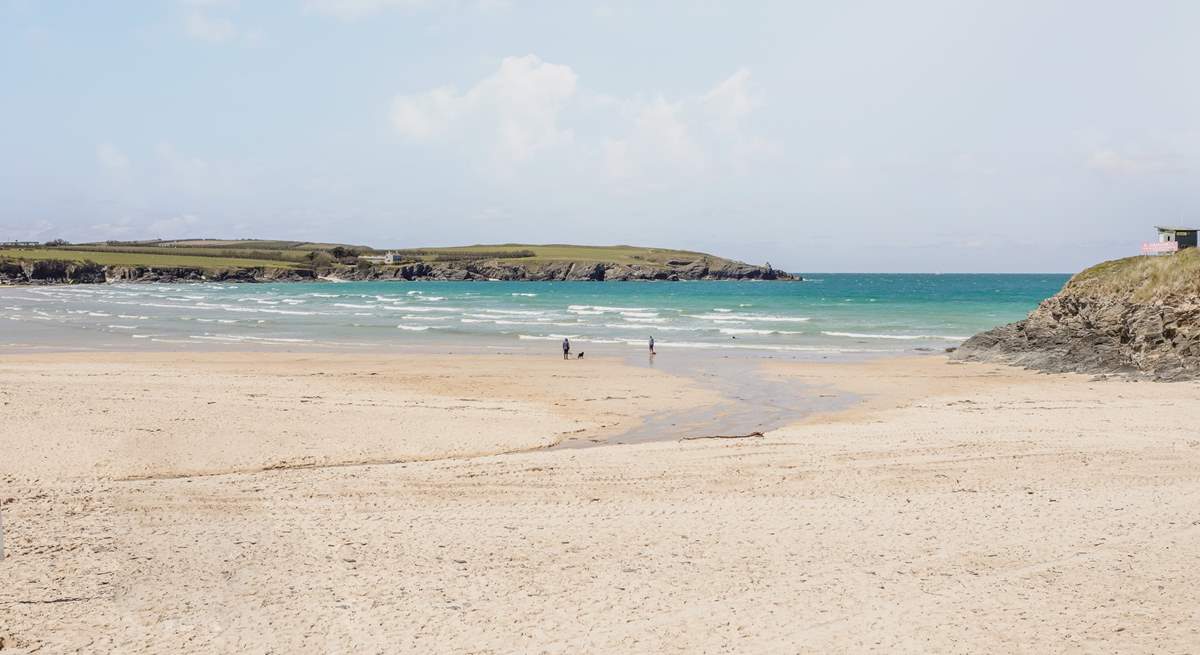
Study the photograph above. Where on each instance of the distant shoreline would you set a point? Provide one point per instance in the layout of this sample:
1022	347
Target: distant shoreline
277	261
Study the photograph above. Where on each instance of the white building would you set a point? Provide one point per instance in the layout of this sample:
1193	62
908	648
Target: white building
387	258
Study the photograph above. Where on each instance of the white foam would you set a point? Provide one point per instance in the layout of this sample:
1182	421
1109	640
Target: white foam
724	345
426	309
514	312
284	311
605	308
655	328
903	337
750	317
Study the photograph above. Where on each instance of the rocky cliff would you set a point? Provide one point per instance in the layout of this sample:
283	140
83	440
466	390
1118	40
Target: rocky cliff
67	272
52	271
500	269
1138	316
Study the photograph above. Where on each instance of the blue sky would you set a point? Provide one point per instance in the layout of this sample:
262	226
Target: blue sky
821	136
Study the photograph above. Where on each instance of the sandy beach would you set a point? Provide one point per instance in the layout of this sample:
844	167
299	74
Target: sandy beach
279	503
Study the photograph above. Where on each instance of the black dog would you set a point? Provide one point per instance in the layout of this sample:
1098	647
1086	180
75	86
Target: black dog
579	356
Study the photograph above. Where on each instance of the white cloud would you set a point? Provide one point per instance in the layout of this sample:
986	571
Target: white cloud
355	9
1115	163
111	158
113	230
514	110
352	9
493	5
173	227
205	28
731	101
176	227
202	23
668	141
529	109
659	144
424	116
38	230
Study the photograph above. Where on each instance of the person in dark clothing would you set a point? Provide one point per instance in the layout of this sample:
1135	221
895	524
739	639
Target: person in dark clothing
566	348
652	346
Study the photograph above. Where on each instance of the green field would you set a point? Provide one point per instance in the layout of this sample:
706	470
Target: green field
255	244
218	253
106	258
563	252
297	256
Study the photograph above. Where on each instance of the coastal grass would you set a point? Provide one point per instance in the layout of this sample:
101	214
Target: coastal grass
272	256
1142	278
239	244
110	258
249	253
565	252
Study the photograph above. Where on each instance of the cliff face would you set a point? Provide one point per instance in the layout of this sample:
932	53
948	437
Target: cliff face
65	272
1139	316
499	269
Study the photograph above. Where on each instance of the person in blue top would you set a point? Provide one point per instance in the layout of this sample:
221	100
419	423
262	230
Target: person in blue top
566	348
652	345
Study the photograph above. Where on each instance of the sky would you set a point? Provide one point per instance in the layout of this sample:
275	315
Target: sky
920	136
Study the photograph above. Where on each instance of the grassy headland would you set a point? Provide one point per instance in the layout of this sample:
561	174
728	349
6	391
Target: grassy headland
108	257
222	253
1142	278
275	260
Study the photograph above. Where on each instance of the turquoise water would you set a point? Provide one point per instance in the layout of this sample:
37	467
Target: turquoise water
826	314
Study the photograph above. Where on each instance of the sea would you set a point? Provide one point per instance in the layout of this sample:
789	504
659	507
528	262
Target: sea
823	316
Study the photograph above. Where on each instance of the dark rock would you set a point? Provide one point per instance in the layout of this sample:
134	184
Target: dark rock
53	271
1087	328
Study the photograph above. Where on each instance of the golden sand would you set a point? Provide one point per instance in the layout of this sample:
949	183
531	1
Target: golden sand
325	503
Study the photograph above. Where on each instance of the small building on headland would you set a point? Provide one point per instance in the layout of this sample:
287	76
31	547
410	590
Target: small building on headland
1171	239
386	258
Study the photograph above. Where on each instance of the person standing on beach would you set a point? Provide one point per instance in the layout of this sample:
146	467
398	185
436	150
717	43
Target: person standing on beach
652	345
566	348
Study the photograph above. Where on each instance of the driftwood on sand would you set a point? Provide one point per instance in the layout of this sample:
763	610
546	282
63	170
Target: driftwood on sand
724	436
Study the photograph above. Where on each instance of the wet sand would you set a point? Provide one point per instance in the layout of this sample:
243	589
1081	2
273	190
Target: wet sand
954	508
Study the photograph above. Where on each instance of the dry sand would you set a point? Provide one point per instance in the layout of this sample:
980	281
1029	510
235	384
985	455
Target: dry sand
960	508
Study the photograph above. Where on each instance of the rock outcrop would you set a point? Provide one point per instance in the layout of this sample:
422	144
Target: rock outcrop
54	271
502	269
67	272
1138	316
